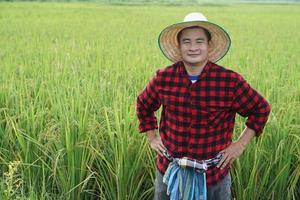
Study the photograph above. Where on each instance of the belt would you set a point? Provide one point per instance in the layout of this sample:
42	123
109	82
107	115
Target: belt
198	165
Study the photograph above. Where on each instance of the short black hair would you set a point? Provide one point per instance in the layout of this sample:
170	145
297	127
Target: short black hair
206	32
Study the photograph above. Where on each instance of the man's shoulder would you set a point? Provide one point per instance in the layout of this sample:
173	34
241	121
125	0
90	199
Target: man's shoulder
221	70
168	72
169	69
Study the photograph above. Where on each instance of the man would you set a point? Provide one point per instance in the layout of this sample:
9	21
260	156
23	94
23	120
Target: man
199	101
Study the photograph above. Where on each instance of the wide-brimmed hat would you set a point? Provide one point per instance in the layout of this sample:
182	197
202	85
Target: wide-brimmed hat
219	44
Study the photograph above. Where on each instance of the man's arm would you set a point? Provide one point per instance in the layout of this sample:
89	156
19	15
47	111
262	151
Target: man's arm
248	103
147	103
251	104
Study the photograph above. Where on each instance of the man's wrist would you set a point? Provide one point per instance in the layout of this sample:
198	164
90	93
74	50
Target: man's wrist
243	144
151	135
150	139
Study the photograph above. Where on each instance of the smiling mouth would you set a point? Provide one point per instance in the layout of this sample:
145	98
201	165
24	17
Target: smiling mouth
193	54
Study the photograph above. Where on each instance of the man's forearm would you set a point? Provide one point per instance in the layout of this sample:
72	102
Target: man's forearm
246	136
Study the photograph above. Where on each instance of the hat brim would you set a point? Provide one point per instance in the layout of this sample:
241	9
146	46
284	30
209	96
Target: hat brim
219	44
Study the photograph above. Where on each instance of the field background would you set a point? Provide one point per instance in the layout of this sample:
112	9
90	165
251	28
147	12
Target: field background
69	77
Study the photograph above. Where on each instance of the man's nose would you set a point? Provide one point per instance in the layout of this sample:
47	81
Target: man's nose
193	46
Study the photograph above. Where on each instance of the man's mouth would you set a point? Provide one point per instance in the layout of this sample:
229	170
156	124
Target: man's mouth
193	55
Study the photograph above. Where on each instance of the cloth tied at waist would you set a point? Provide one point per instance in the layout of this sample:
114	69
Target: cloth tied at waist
186	179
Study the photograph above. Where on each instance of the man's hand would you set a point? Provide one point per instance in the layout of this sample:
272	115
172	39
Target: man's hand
230	154
236	148
155	142
157	145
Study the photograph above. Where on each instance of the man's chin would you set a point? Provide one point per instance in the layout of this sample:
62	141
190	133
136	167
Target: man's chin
194	63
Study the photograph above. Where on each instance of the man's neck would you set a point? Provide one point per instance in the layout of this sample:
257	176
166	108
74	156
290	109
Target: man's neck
194	70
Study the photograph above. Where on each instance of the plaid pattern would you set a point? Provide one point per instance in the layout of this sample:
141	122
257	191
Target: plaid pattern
203	164
197	120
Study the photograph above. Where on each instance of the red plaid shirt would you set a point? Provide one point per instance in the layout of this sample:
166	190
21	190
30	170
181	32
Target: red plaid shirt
197	120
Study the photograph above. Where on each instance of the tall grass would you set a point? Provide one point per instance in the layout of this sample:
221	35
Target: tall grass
70	74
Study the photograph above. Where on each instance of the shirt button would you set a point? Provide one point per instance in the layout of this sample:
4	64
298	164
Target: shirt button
191	125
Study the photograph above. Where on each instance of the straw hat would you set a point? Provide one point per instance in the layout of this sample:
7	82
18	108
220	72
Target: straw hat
220	40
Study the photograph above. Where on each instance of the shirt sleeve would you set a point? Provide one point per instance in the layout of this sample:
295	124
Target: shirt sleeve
147	103
249	103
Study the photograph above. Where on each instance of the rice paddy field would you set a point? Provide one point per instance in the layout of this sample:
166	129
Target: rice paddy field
70	75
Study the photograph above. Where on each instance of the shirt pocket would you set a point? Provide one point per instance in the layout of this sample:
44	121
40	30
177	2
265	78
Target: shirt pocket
217	114
174	104
212	114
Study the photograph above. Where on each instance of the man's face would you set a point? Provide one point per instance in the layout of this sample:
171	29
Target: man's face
194	46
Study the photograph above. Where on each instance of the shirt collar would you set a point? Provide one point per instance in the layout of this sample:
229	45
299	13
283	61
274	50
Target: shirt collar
184	73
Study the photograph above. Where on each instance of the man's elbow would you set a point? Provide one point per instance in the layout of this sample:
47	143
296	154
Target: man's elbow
268	108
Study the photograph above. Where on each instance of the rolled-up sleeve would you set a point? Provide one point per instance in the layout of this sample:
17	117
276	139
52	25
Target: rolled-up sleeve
249	103
147	103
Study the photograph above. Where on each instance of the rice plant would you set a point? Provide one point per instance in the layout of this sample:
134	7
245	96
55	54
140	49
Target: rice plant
70	75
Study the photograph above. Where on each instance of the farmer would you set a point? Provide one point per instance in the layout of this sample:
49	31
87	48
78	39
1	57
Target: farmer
199	100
